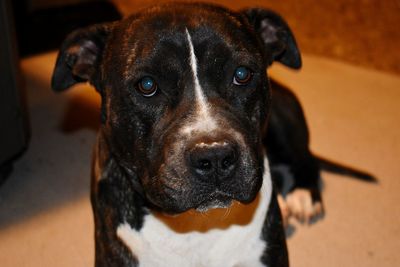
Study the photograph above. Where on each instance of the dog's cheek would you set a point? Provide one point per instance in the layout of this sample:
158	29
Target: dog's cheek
169	188
252	182
169	196
126	129
261	107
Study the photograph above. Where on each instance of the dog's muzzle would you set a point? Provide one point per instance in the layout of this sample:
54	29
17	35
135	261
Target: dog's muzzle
203	169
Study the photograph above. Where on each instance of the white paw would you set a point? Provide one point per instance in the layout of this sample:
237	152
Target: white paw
300	205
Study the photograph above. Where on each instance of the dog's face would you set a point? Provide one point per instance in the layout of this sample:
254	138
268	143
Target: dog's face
184	97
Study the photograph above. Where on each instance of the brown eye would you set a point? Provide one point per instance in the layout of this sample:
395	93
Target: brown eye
147	86
242	76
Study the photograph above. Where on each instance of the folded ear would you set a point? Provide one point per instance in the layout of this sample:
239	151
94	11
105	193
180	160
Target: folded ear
79	56
276	35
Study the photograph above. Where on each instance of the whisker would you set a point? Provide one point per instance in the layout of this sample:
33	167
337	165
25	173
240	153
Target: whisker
227	212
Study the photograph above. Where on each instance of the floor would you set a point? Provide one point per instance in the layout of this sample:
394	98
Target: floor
353	115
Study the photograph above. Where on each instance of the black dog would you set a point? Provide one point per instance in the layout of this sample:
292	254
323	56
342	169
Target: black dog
180	175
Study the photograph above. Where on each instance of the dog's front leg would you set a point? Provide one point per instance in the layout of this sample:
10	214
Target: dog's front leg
275	254
114	201
109	249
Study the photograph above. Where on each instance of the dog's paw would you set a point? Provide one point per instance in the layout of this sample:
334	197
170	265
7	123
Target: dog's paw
300	204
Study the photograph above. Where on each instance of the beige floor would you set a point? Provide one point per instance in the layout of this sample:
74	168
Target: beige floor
354	117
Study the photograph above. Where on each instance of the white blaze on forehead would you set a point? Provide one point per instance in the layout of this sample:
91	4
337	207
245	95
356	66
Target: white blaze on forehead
203	120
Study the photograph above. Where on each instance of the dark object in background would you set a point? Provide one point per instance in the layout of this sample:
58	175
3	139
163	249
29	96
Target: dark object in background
36	31
13	121
45	29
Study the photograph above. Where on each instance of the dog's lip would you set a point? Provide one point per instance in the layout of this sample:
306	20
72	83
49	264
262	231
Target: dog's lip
218	199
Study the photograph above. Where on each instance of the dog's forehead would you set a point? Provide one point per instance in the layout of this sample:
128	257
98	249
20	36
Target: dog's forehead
175	18
162	32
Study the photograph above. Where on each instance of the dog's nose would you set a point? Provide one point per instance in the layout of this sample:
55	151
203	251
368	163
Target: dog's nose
216	160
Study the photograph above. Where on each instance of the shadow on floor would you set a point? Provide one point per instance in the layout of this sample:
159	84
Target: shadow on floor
55	169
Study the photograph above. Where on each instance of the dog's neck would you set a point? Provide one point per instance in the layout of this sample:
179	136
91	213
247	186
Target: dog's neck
237	214
220	218
202	239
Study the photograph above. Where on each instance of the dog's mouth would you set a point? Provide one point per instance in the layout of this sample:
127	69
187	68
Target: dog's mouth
217	200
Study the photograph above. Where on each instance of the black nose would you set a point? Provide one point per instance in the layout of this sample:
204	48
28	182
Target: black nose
217	160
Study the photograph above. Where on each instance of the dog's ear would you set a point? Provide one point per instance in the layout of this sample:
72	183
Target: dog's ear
276	35
79	56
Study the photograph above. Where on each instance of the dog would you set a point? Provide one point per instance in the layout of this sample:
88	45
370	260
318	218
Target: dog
183	170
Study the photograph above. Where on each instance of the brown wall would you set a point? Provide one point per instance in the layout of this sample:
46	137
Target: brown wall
363	32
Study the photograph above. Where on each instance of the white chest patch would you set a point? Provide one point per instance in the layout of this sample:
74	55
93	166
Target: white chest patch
235	245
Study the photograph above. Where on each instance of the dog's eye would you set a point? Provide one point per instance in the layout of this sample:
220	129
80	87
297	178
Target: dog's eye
242	76
147	86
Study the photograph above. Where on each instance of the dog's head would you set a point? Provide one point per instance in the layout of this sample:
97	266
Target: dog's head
185	97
